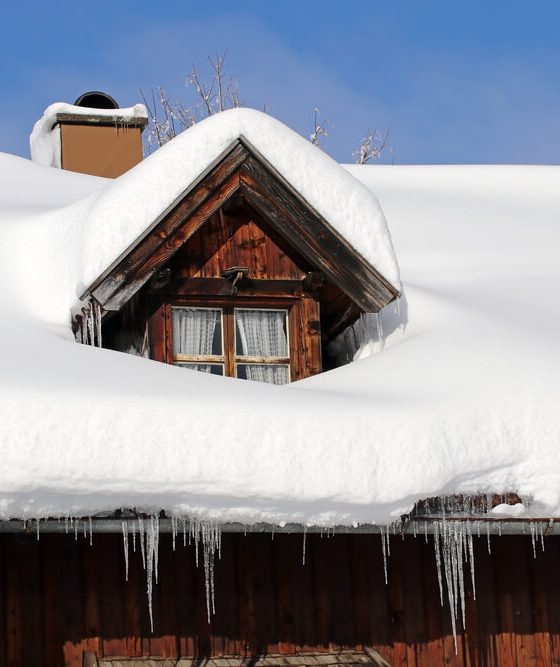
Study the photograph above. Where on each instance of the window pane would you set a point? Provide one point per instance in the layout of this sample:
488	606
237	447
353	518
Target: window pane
215	369
268	373
197	331
261	333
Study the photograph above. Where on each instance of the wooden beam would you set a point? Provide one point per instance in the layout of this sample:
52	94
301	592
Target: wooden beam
222	287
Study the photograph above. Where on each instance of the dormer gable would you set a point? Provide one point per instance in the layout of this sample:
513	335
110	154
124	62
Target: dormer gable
239	250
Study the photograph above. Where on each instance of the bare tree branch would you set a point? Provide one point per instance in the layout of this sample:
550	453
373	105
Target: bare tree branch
319	129
372	146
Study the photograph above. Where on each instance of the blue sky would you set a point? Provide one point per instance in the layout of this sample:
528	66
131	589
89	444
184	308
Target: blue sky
456	82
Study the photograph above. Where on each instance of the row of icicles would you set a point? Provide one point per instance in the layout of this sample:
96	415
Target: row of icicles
453	545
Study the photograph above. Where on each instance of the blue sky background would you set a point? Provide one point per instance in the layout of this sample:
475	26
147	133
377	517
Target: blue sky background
457	82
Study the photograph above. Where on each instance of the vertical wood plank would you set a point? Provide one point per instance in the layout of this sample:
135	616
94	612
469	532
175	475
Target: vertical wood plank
265	603
133	599
302	590
51	557
109	564
414	603
486	602
550	560
283	549
203	627
186	592
539	585
521	598
91	601
505	640
167	599
399	654
433	609
14	629
225	624
378	592
247	621
30	559
340	593
70	599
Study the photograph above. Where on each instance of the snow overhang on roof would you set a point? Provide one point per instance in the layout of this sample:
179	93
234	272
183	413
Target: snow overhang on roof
130	207
242	170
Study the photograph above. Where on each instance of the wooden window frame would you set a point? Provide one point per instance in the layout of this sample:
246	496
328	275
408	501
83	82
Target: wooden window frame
161	333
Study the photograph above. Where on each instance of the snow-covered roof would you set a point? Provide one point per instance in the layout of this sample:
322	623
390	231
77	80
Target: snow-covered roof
462	399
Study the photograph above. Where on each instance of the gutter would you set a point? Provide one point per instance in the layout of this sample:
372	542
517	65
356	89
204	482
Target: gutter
483	527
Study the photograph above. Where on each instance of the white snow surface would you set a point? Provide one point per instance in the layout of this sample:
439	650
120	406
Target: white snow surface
463	397
44	141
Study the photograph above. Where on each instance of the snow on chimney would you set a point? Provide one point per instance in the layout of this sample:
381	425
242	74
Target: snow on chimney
92	136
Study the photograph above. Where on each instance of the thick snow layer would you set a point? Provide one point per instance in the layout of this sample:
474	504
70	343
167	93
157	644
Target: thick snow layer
124	210
462	399
44	141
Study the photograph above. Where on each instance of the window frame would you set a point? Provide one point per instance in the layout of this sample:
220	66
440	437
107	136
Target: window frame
161	329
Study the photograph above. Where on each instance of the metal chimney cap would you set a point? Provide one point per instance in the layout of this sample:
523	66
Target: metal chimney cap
95	99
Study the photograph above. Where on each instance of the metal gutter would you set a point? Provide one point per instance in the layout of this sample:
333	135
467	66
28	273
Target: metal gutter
419	527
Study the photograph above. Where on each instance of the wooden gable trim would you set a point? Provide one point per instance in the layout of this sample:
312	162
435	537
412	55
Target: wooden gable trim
313	237
157	247
241	168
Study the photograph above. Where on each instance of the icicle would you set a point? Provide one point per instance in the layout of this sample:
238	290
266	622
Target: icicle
379	327
471	562
133	537
388	542
38	529
304	540
533	541
438	560
384	541
453	545
98	323
141	537
125	548
90	531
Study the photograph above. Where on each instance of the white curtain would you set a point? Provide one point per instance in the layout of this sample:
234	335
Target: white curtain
193	332
262	333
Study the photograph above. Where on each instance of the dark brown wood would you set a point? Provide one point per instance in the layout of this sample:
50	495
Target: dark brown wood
220	287
283	568
505	640
63	598
538	604
14	601
134	600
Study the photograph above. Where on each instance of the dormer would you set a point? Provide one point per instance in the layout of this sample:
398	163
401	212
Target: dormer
240	276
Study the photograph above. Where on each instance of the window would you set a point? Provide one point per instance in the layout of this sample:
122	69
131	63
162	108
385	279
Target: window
248	343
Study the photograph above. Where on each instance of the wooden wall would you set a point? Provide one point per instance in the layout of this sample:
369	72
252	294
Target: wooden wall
59	597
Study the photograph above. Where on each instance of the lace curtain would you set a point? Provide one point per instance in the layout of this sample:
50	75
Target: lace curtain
262	333
193	333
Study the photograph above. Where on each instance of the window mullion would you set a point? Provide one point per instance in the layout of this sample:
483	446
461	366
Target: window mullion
229	341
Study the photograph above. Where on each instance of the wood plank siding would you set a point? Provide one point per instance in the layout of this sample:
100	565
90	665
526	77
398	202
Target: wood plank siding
60	597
